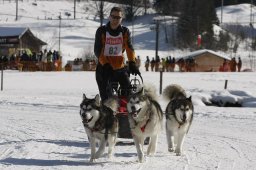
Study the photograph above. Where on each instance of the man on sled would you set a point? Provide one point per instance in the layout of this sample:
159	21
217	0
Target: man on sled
111	40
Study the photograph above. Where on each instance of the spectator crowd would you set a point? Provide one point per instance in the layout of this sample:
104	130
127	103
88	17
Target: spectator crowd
25	60
51	61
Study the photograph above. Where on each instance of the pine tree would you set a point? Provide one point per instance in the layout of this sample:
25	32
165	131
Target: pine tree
197	17
186	24
168	7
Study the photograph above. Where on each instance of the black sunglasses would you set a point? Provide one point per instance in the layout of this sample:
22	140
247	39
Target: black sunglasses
115	17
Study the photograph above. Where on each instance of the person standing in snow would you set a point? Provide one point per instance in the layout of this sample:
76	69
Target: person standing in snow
152	64
239	64
111	40
147	63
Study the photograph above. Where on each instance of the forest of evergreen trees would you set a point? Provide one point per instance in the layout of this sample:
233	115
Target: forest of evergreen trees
196	18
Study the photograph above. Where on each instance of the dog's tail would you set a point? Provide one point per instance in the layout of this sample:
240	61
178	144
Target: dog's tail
109	119
150	91
110	109
174	91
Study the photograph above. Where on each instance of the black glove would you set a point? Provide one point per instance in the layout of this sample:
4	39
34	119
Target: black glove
133	68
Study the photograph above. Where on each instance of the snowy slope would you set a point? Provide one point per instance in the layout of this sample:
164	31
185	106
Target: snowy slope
77	36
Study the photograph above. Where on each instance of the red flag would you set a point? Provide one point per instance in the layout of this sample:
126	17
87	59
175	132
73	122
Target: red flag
199	40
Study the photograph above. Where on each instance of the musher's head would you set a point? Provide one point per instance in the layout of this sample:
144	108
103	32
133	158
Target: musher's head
116	15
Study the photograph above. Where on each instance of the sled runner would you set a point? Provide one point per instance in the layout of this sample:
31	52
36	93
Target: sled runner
122	94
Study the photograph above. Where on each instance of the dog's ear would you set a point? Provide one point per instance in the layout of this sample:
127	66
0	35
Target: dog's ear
84	96
190	98
97	99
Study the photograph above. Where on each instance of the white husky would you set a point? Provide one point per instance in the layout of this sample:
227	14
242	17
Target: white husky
100	124
179	116
145	117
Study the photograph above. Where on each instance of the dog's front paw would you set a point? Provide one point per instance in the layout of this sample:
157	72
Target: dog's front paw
170	149
110	156
150	153
178	152
141	158
97	155
92	160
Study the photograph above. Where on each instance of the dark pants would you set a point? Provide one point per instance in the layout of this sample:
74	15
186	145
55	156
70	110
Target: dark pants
106	79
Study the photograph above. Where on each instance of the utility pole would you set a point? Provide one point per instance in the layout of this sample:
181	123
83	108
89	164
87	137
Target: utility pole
59	30
251	14
132	23
173	34
157	21
165	31
16	10
74	9
101	12
197	24
132	30
2	76
221	18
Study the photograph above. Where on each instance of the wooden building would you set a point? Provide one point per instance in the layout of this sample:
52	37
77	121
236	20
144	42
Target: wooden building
203	60
13	39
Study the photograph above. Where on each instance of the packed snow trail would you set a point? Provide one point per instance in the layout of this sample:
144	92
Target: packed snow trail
41	127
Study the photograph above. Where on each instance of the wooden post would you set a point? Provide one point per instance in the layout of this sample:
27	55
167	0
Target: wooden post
226	84
161	81
2	77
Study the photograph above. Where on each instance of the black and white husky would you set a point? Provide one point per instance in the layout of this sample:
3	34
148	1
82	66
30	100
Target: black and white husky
145	117
100	124
179	116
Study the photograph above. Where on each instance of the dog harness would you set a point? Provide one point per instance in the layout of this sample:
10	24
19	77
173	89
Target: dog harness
142	128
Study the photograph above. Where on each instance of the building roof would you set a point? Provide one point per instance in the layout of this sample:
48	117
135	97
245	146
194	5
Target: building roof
18	32
194	54
12	31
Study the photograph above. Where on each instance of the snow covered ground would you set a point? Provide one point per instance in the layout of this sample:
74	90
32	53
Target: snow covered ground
41	126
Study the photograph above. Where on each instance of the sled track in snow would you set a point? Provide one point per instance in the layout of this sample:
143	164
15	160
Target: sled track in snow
39	105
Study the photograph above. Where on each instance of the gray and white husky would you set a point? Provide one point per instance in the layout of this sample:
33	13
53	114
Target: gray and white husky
145	117
100	124
179	116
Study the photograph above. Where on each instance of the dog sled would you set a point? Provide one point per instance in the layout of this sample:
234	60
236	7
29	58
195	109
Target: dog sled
122	114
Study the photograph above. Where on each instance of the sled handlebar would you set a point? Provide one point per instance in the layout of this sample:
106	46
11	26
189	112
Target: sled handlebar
136	81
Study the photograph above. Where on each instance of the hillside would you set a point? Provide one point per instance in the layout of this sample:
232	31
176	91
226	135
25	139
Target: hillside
77	36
